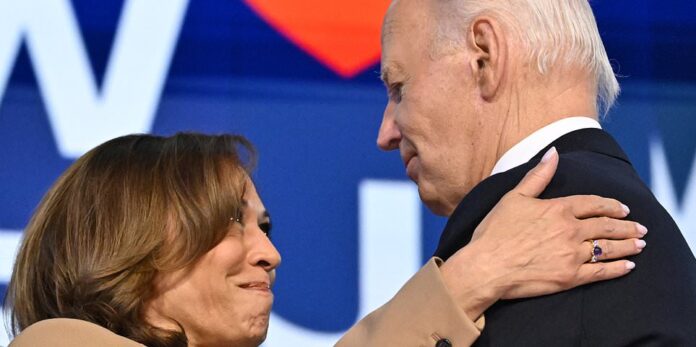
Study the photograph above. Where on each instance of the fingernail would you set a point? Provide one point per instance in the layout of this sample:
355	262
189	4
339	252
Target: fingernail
548	155
630	265
626	209
640	244
641	229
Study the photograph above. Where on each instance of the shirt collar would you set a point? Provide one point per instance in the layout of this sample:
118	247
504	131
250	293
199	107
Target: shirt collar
526	149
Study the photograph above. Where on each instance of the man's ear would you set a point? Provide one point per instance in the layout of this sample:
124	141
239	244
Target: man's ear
489	53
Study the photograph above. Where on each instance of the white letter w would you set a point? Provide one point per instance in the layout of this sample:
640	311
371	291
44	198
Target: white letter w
82	116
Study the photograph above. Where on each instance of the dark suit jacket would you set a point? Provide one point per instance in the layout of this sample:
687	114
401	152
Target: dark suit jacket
655	305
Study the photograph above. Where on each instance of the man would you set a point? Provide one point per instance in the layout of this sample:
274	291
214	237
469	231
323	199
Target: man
479	90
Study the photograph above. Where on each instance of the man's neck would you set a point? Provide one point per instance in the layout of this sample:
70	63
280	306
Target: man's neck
526	149
532	108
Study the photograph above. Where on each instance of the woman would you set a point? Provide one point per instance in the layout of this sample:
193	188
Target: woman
164	241
152	237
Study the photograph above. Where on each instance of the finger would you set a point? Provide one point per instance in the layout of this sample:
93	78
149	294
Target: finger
536	180
611	249
589	273
586	206
609	228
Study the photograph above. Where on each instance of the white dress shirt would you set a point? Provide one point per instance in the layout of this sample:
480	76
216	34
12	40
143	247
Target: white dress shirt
526	149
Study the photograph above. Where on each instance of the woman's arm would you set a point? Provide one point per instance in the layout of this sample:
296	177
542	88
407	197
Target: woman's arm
524	247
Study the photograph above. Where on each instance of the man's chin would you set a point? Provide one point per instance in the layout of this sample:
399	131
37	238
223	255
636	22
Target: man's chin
435	203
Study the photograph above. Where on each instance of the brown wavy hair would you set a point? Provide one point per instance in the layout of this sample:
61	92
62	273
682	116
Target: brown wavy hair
129	208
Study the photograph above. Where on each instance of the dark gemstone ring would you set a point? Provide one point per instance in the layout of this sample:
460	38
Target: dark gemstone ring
596	251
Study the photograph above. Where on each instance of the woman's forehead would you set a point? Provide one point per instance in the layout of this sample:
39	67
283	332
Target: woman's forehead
252	200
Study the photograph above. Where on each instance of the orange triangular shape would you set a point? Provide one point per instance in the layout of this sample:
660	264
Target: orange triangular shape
342	35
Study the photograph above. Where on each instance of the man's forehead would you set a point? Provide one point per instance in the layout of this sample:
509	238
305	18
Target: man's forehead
404	18
389	22
389	27
406	32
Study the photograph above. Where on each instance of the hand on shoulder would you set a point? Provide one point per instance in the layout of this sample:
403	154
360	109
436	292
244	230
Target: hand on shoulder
527	247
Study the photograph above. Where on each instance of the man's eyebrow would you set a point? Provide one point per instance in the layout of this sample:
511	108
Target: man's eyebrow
384	76
388	71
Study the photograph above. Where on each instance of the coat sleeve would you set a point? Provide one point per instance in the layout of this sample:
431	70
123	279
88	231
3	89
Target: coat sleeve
420	314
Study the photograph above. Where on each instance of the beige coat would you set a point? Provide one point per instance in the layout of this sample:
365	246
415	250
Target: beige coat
65	332
420	314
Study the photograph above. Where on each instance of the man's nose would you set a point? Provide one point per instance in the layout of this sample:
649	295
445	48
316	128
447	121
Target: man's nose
389	134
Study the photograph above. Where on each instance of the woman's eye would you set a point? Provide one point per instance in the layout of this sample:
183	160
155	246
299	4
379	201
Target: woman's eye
266	228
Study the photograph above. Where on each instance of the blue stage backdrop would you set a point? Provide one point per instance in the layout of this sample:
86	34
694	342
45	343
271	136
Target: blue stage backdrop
300	79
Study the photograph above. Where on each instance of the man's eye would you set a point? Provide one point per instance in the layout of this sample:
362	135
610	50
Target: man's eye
395	92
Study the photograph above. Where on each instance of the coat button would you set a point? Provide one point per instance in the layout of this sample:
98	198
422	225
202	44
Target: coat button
443	343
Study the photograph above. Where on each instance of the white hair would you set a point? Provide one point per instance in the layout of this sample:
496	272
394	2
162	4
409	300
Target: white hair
553	32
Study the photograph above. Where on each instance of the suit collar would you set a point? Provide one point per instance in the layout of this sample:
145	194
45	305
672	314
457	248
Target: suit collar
591	140
524	150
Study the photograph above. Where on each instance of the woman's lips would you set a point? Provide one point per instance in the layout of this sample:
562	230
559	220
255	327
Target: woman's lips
259	286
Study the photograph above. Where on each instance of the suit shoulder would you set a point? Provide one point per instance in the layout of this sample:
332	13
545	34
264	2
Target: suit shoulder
592	173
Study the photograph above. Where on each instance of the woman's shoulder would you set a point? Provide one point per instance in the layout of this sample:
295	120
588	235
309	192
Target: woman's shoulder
65	332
